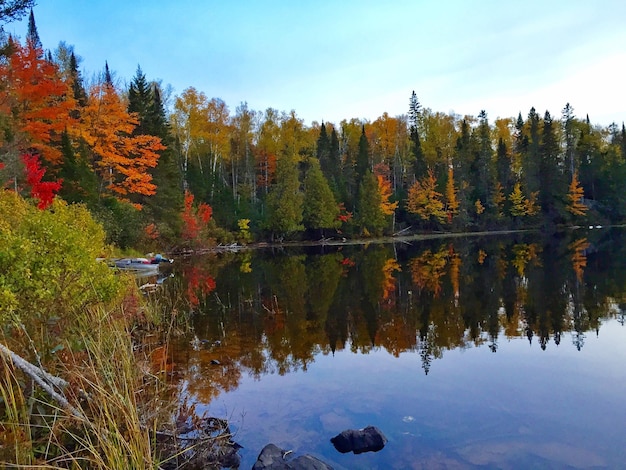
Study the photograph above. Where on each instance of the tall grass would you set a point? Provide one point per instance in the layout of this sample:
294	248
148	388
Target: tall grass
110	385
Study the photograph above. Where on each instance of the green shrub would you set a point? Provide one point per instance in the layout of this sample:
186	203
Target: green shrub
48	267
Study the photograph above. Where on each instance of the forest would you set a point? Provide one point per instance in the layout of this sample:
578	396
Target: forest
186	171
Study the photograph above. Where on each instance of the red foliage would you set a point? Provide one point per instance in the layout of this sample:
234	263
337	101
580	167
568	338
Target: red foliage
198	282
190	227
44	191
344	216
204	212
195	219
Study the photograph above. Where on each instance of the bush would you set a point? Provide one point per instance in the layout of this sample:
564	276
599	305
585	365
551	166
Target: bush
48	267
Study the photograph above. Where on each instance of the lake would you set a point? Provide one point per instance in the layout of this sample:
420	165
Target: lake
498	351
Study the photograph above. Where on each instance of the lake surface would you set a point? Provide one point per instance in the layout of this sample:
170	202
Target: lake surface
472	352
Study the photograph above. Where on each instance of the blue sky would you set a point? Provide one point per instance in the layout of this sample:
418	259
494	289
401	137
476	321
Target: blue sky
334	60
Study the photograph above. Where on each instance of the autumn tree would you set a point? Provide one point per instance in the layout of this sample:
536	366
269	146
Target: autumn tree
451	200
575	195
121	159
425	201
34	108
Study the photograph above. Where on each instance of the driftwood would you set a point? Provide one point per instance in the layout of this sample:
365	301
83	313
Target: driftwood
45	380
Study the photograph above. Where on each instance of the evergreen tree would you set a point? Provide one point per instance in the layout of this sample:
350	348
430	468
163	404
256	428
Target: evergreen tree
320	208
323	152
78	88
363	157
80	183
108	79
419	163
370	217
504	172
481	164
140	100
551	182
165	207
530	153
567	122
32	36
285	200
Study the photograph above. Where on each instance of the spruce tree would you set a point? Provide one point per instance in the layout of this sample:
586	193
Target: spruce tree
363	157
285	200
32	36
370	216
551	183
78	89
320	208
108	79
419	163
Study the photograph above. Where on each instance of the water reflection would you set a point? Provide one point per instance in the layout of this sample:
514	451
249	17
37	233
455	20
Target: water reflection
277	312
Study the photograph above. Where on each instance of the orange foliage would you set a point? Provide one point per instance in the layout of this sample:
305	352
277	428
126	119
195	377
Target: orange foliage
389	282
455	269
120	158
428	269
579	258
384	188
266	167
36	102
575	197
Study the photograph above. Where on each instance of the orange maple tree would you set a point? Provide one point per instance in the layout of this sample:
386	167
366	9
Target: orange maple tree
120	158
35	103
381	171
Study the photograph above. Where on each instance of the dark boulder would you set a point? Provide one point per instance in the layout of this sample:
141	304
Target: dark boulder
272	457
369	439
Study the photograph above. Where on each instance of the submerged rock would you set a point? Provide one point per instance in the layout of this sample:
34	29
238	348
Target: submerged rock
273	457
369	439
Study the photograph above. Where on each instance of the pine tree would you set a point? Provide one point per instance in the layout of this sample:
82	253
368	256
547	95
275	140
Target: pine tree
369	213
419	163
567	123
363	157
108	79
285	200
481	164
320	208
32	36
78	88
140	100
323	152
551	187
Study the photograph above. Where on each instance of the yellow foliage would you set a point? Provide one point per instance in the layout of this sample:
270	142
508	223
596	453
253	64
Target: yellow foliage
575	196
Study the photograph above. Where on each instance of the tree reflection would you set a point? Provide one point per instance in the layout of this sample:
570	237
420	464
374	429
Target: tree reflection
283	309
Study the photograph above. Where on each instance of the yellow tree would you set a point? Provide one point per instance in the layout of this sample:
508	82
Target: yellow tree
452	202
424	199
520	205
120	159
575	196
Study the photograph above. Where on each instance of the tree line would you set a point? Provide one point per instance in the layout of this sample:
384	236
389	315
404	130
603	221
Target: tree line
147	171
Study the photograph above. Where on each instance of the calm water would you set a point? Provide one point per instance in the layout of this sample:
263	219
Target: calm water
475	352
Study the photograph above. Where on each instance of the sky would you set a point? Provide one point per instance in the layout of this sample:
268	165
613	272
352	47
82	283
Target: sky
331	60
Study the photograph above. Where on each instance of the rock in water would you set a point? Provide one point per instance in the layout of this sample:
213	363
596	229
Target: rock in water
272	457
369	439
